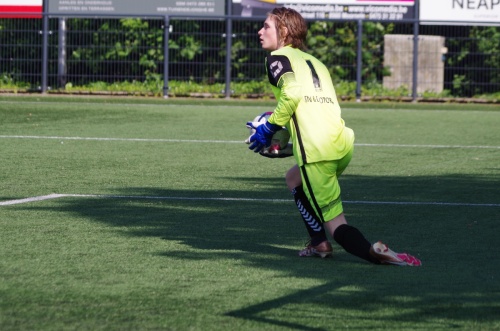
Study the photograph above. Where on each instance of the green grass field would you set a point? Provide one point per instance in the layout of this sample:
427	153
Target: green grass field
149	214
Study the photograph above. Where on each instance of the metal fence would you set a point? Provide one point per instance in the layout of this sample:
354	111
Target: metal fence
222	56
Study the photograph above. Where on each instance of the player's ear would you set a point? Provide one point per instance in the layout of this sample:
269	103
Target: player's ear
284	35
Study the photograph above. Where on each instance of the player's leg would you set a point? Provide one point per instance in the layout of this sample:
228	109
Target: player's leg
319	244
351	239
347	236
323	191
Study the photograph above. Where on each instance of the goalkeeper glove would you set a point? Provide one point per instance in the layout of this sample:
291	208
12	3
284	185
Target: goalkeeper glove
262	136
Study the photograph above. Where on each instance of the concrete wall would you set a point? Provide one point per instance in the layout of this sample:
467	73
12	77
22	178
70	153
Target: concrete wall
398	58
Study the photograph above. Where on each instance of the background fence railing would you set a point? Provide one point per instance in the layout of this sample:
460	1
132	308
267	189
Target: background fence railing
222	56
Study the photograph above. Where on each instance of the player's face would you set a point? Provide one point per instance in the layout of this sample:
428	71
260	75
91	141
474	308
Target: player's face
268	35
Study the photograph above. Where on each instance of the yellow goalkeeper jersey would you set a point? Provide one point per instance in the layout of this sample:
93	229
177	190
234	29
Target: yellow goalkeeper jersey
307	106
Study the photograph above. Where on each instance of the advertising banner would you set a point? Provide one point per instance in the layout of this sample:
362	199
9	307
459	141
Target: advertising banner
134	7
332	9
474	12
21	8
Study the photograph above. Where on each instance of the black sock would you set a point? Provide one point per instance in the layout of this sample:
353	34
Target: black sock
313	225
353	241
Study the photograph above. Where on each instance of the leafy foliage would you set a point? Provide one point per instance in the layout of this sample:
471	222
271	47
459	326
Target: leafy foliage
335	45
474	52
132	50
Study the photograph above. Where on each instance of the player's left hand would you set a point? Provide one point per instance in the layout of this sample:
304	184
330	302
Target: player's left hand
262	136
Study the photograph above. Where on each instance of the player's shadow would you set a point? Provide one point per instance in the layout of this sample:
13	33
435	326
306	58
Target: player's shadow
245	226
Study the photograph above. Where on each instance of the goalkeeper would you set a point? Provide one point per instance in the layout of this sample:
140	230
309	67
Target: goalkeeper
322	144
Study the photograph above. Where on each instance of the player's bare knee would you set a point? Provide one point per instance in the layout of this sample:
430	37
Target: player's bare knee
293	178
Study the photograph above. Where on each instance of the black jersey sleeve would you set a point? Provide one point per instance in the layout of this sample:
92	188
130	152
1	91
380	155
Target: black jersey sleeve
277	66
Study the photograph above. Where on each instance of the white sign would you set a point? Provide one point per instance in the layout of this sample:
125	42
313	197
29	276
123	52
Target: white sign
20	8
21	3
471	12
134	7
332	9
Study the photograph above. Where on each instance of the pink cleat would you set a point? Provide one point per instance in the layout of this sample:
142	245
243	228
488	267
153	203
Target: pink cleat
385	255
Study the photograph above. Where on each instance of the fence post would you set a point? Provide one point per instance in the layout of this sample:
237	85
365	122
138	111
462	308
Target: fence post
229	44
166	33
414	92
45	51
359	65
61	54
416	25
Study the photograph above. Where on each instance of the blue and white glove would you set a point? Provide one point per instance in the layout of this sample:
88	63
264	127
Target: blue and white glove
262	136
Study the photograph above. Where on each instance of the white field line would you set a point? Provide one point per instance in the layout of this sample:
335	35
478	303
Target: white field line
228	141
124	139
255	106
140	197
32	199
